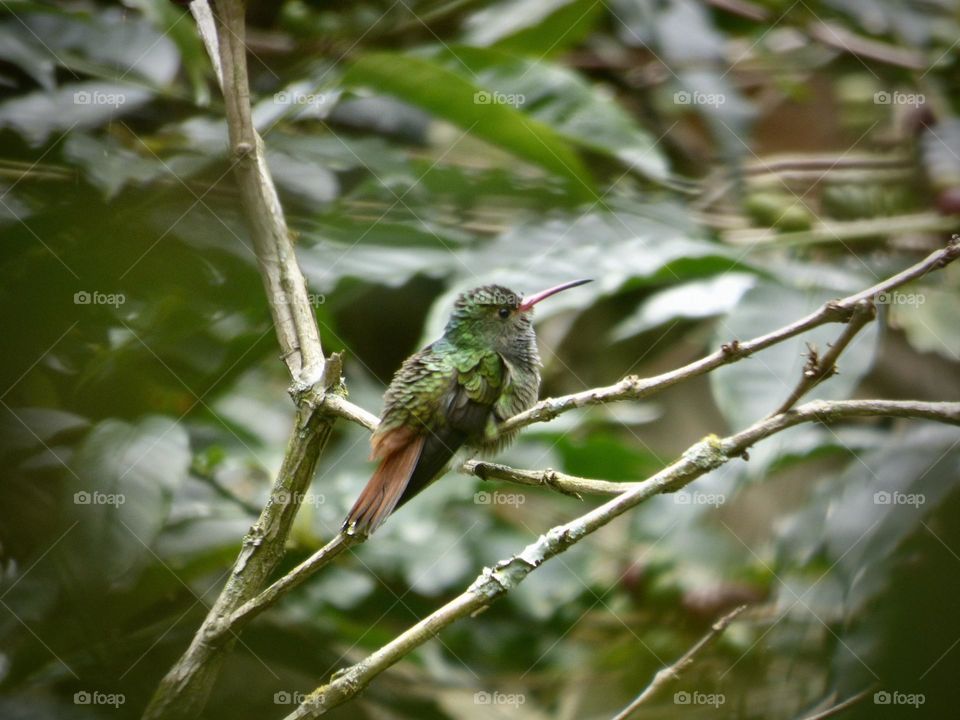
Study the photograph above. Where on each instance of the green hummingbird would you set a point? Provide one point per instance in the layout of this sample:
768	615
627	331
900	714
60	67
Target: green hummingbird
454	392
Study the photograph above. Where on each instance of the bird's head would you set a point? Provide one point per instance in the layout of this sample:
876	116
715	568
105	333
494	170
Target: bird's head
496	317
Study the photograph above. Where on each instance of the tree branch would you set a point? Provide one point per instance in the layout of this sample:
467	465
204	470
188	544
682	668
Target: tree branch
671	672
835	710
283	282
268	597
184	690
635	388
818	369
701	458
561	482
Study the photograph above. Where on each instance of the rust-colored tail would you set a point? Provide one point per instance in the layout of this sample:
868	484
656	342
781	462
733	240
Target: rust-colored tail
399	452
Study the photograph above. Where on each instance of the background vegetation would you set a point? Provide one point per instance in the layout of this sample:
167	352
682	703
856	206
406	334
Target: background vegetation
720	168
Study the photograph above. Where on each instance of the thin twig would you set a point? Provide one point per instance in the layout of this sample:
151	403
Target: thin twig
225	492
559	481
493	583
833	231
253	607
665	675
817	368
840	707
838	37
340	406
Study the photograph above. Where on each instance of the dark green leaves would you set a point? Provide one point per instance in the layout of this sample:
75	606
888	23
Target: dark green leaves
122	481
460	100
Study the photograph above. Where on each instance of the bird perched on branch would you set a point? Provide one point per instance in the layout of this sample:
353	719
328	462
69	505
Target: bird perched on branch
454	392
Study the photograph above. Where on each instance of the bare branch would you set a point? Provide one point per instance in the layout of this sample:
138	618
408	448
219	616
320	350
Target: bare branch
561	482
282	280
817	368
841	231
340	406
701	458
250	609
635	388
838	37
184	690
835	710
671	672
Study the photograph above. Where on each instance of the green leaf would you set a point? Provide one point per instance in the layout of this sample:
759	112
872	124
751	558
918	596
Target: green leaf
653	244
451	96
123	44
691	301
581	112
886	495
538	27
78	106
109	165
175	23
312	183
748	390
28	54
119	492
929	318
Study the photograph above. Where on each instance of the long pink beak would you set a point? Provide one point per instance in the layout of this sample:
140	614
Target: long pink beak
544	294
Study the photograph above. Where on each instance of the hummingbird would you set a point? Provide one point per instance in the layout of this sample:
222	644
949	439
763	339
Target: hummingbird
453	393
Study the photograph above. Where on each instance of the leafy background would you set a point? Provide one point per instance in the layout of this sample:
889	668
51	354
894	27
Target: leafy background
421	148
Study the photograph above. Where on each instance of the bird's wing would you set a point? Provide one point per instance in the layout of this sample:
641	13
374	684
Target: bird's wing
433	406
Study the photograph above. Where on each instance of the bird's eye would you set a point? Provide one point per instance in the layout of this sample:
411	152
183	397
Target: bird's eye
504	312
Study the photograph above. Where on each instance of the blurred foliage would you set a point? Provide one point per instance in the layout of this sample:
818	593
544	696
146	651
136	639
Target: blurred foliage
706	162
